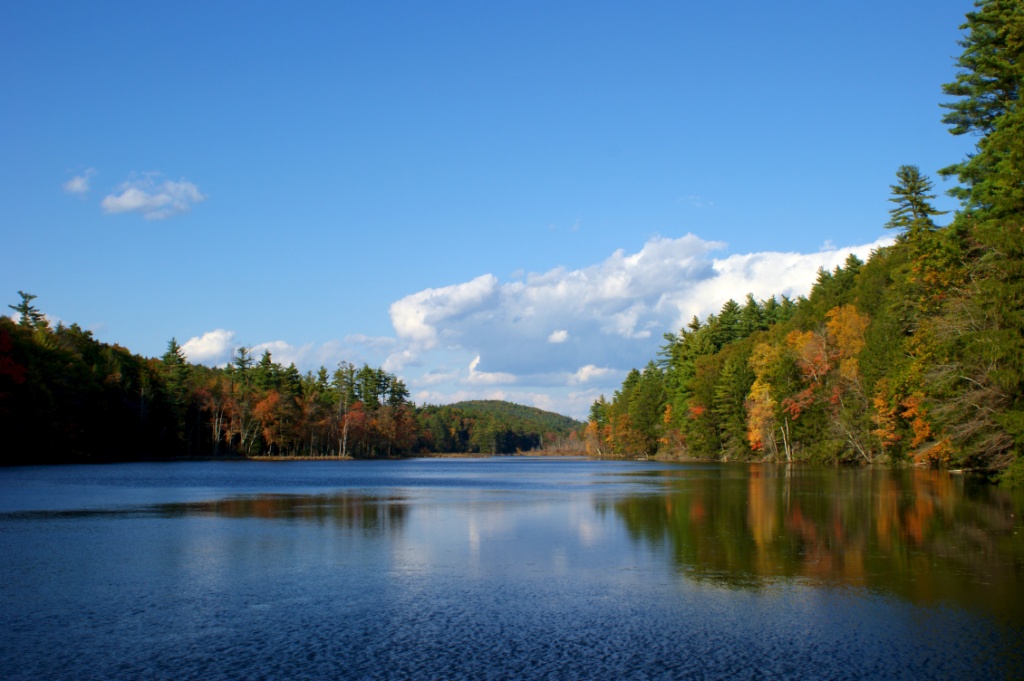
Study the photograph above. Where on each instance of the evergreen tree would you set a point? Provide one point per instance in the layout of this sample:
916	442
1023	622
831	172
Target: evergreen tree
729	397
913	212
241	363
728	327
29	315
323	385
599	412
988	83
398	393
291	381
265	375
645	405
987	89
176	368
752	317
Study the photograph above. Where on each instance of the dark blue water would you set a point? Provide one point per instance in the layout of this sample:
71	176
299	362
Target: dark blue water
504	569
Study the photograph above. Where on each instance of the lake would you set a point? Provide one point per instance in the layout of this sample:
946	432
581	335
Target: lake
507	568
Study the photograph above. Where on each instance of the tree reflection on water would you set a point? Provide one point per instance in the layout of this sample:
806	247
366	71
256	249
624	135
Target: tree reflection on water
369	513
924	535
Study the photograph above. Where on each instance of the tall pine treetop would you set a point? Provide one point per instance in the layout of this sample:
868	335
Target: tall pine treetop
28	314
990	67
988	86
911	194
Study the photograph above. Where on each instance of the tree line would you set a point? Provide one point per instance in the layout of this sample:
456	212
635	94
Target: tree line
916	355
65	396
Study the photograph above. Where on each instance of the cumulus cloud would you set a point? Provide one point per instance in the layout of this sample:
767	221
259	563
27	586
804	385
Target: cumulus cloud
79	184
559	336
590	373
614	312
284	353
486	378
432	378
213	347
418	317
154	198
763	274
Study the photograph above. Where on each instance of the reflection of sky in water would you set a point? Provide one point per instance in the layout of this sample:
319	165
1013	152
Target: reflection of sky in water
504	568
489	536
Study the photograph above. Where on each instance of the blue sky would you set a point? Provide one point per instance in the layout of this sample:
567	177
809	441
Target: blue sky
491	200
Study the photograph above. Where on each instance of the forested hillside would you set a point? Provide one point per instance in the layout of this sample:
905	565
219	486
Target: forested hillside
518	414
916	355
493	426
66	397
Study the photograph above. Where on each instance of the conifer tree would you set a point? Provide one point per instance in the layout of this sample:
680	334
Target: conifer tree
29	315
988	82
913	212
987	89
177	369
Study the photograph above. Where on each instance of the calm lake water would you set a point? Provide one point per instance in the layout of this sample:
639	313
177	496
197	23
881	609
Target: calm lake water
506	569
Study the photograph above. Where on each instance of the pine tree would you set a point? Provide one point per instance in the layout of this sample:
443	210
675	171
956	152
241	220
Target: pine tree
265	373
645	405
988	83
599	412
987	89
913	212
730	393
29	315
177	370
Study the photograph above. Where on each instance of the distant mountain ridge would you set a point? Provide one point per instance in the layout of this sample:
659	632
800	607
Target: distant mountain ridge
544	420
493	427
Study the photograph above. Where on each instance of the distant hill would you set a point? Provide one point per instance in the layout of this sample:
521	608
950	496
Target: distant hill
491	426
543	421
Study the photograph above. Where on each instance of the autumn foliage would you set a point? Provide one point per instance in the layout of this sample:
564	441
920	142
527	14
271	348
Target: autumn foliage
82	400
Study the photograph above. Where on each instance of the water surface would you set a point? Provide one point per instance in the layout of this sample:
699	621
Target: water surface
506	568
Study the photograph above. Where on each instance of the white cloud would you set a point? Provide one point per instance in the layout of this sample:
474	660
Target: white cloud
615	312
432	378
589	373
486	378
213	347
764	275
79	184
153	198
559	336
284	353
417	317
397	361
608	307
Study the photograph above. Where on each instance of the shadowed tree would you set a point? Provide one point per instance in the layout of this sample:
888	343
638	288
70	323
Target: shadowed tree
29	315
